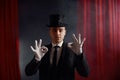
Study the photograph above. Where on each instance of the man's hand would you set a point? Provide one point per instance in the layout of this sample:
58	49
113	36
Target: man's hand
39	50
77	44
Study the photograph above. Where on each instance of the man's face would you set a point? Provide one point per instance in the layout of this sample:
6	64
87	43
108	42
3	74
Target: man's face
57	34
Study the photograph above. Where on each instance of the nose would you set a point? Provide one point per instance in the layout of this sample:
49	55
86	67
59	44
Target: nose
57	32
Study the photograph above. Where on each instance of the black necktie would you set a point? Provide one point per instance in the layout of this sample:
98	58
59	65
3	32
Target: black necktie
53	74
55	56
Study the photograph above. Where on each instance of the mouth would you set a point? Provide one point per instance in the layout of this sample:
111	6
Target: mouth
58	37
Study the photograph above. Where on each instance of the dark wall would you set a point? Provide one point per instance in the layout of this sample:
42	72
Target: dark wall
33	18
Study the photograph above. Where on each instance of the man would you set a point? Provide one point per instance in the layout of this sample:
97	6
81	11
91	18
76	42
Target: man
58	60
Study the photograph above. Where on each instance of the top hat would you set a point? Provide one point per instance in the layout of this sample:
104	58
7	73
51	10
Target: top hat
56	20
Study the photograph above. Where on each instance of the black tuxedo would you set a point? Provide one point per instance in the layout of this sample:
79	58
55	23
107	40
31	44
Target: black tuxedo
65	69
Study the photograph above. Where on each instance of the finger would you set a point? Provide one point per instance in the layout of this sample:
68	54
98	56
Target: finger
36	44
74	38
79	38
44	49
40	43
32	48
83	41
70	44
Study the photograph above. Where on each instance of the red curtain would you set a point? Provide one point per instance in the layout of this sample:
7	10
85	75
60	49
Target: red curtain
9	64
99	22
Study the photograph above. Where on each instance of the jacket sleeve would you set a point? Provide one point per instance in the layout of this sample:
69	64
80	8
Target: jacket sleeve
82	65
32	67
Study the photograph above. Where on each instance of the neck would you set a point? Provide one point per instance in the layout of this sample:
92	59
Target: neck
59	44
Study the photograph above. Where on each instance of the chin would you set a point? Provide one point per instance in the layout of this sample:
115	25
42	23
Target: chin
57	41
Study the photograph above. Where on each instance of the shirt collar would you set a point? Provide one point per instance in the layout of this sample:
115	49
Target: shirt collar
59	44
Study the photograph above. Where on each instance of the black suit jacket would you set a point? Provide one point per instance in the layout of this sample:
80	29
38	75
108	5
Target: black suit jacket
65	69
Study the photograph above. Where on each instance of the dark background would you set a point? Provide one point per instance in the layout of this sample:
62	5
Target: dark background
33	18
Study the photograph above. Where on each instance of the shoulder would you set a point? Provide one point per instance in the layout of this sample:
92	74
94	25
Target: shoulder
49	45
68	44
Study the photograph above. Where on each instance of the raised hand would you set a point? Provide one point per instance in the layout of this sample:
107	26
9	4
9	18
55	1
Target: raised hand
77	44
39	50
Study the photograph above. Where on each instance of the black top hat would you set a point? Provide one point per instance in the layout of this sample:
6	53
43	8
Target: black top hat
56	20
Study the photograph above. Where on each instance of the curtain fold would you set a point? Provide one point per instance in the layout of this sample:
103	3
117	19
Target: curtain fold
99	22
9	59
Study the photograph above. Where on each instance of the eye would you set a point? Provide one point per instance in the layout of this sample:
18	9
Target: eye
60	30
